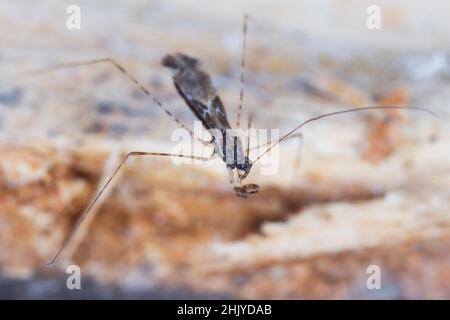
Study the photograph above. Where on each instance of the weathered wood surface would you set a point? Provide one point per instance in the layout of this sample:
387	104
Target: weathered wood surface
369	191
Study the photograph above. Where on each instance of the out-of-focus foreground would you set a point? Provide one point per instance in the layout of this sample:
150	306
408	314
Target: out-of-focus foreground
372	188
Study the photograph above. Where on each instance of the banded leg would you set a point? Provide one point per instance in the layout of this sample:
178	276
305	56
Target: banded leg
242	79
122	70
74	233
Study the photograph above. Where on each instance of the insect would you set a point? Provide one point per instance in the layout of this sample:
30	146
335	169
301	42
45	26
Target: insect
196	88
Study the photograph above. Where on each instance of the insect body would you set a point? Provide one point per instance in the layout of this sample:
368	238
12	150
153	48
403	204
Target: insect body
195	86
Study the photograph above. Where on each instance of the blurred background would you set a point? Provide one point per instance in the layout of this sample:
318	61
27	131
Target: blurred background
372	189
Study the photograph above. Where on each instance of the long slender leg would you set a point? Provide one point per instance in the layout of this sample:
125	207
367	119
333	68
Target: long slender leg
331	114
293	133
86	213
110	163
244	48
118	67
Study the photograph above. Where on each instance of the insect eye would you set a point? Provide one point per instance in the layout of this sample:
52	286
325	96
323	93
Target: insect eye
251	188
240	192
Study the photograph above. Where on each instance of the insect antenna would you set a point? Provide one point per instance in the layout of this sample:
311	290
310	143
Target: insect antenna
338	113
242	79
88	210
117	66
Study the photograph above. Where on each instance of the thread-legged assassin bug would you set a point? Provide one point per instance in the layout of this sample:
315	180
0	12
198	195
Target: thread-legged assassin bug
196	88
